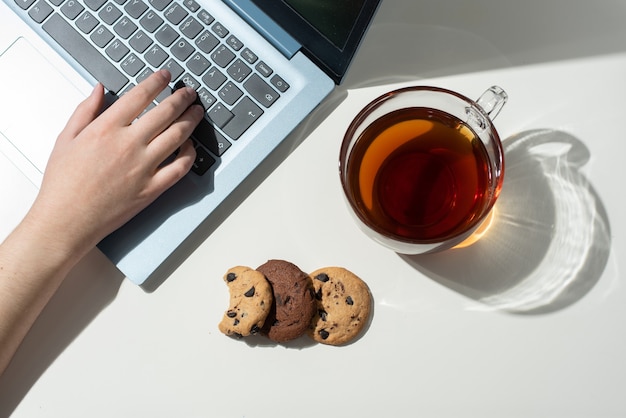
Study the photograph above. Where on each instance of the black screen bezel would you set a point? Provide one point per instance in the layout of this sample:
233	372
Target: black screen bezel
333	59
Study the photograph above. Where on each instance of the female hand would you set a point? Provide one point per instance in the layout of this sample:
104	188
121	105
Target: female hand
103	170
106	168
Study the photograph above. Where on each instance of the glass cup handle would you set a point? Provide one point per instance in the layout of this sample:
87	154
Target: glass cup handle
492	101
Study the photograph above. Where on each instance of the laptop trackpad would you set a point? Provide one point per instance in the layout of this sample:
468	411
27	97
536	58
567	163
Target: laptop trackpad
35	103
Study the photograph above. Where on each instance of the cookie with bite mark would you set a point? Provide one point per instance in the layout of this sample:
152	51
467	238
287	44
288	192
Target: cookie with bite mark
250	302
343	306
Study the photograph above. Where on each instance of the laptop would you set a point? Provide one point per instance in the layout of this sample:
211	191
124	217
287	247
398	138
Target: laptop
260	68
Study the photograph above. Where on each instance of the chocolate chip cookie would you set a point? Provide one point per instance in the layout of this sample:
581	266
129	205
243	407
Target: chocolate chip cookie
343	306
250	302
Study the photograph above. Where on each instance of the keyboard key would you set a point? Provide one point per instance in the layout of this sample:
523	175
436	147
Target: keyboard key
101	36
182	49
279	83
263	69
147	72
230	93
206	98
222	56
249	56
214	78
156	56
198	64
86	22
205	17
166	35
234	43
190	81
219	30
245	114
56	2
220	144
159	4
40	11
175	13
88	56
174	68
24	4
95	4
117	50
191	27
206	42
238	70
203	162
219	115
151	22
260	90
71	9
109	14
125	28
140	42
214	141
135	8
191	5
132	65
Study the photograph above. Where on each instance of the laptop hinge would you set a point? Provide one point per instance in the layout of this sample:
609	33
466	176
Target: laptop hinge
267	27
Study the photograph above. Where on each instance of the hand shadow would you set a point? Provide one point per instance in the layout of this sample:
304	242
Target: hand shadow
86	291
549	240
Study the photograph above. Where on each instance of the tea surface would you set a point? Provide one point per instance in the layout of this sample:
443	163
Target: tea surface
419	174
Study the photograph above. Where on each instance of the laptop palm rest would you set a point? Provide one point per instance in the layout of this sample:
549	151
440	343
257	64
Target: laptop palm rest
32	116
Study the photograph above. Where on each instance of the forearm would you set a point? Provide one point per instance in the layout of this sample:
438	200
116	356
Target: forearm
33	264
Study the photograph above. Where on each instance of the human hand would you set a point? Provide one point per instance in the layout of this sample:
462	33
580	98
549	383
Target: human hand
105	169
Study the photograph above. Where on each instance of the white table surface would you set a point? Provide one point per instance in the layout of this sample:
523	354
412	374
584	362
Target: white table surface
528	322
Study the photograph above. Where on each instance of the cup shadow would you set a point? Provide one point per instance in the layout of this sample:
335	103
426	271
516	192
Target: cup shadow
549	240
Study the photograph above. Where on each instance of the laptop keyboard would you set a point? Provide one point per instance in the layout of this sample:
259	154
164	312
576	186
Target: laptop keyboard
121	42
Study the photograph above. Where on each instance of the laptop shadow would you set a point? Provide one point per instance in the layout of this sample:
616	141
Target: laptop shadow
549	240
88	289
260	173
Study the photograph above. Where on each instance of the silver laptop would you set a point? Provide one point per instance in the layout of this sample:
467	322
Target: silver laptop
259	67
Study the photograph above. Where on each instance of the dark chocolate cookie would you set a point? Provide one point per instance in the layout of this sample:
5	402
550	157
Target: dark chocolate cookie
294	301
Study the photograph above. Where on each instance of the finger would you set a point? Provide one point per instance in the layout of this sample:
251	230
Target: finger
175	135
162	116
85	113
125	110
169	174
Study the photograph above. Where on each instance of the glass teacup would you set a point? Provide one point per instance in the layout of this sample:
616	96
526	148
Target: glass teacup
422	167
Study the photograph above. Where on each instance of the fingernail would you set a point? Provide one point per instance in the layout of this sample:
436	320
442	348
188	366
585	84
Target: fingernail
189	91
96	92
95	89
165	74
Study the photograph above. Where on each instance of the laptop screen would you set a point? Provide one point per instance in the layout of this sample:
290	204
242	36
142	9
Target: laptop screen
333	19
330	31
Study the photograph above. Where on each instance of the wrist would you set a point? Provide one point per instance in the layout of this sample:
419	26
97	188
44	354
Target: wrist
51	244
